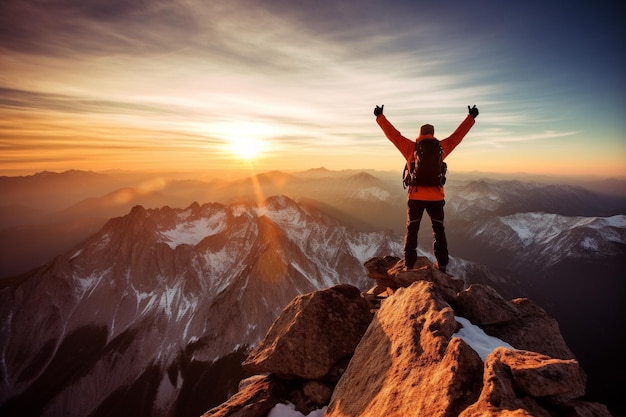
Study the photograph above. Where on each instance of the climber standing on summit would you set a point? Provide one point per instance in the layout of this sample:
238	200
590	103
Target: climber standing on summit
425	181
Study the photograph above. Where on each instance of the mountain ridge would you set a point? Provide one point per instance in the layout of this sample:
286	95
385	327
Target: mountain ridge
585	276
152	293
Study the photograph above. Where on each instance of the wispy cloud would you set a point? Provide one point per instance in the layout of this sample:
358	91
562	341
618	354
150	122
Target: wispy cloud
501	137
13	99
146	76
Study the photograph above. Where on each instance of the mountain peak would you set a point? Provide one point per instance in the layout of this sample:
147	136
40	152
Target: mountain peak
416	355
363	177
279	201
320	170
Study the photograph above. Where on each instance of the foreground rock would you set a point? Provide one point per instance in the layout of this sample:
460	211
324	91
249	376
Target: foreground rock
312	334
389	272
254	399
517	380
326	349
304	353
519	322
405	364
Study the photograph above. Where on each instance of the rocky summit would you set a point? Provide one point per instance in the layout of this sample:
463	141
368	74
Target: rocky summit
418	343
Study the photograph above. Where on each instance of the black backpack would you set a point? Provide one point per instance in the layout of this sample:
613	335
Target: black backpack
427	168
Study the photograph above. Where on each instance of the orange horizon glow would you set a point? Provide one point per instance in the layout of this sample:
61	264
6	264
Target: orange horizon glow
244	83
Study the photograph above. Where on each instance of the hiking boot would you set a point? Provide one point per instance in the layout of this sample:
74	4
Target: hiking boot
441	268
407	267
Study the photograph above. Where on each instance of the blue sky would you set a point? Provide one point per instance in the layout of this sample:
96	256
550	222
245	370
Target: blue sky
188	84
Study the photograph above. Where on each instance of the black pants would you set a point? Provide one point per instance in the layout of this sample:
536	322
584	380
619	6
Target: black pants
414	217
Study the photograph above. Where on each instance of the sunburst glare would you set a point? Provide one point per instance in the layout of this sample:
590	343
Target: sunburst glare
247	148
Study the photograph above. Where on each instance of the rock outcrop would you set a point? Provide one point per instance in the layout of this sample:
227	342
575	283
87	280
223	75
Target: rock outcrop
332	320
396	351
407	348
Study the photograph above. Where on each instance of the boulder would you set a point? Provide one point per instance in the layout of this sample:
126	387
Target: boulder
519	322
377	270
313	333
397	276
482	305
406	363
255	398
498	397
534	330
516	383
540	376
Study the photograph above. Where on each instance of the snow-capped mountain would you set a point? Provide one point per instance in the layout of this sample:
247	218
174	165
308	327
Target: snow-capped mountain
527	228
486	198
545	239
143	307
157	291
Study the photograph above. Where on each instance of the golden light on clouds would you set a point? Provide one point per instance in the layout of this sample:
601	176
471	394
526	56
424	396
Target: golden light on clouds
191	85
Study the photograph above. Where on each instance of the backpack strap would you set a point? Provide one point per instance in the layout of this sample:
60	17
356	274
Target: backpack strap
406	173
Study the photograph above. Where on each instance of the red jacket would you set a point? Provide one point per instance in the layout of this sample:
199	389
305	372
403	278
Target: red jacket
407	148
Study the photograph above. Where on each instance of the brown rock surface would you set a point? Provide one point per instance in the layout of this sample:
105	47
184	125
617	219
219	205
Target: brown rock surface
515	383
396	276
482	305
541	376
498	397
408	361
317	392
312	334
255	399
377	267
405	363
519	322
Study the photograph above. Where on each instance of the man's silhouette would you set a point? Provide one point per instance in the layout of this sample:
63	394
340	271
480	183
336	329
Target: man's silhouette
429	198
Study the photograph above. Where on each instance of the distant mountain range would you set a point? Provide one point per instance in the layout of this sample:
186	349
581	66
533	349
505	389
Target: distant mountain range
157	300
45	214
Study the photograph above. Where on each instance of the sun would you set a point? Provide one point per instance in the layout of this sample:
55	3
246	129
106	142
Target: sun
244	140
247	148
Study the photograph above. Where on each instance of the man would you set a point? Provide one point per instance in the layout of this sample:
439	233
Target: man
429	198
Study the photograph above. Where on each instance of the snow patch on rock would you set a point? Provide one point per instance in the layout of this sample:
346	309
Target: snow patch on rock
478	340
192	232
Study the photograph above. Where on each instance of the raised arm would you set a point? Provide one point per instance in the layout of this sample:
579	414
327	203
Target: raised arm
457	136
404	145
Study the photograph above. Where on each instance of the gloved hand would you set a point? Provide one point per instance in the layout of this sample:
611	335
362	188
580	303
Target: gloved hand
379	110
473	111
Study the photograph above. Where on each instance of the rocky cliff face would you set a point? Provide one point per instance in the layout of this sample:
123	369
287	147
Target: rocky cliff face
409	346
132	319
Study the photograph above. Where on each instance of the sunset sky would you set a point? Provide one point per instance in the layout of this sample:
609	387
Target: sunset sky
291	85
